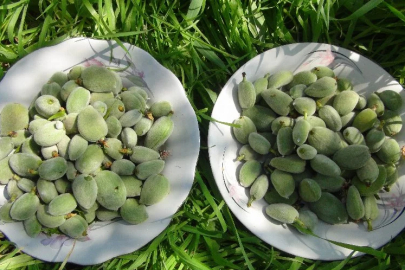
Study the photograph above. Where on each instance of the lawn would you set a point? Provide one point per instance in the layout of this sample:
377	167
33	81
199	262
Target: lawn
203	42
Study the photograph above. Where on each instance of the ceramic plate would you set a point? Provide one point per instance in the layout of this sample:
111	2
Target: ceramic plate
367	77
109	239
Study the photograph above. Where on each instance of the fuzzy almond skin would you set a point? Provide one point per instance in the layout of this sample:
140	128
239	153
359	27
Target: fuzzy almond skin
278	101
329	209
91	125
246	93
154	189
24	207
62	204
99	79
13	117
74	227
354	204
111	190
133	212
159	132
85	190
282	212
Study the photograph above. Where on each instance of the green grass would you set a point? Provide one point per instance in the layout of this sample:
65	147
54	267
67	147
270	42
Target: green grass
203	42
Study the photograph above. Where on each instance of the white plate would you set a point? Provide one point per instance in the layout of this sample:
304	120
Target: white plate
109	239
367	77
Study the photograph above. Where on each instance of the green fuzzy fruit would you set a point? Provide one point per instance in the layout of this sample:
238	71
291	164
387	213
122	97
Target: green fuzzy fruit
301	131
62	147
59	77
161	108
348	119
47	105
354	204
285	142
32	226
323	87
53	168
67	88
259	143
392	123
62	204
258	189
261	116
123	167
272	197
365	120
345	102
329	209
142	154
133	101
78	99
13	117
25	165
291	163
76	147
85	190
391	99
24	207
63	185
352	157
248	173
130	118
278	101
390	152
36	124
101	107
29	146
325	165
302	78
324	140
369	172
246	93
154	189
114	127
315	121
297	91
143	126
50	134
91	124
353	136
344	84
306	152
26	184
280	78
94	97
281	121
309	190
371	211
75	72
282	212
74	227
374	139
141	90
260	85
46	219
52	89
6	147
70	123
375	103
367	190
113	148
362	103
283	182
99	79
305	106
148	168
115	107
329	183
323	71
331	117
71	171
111	190
46	190
90	160
246	152
133	212
103	214
132	185
12	191
392	176
6	173
129	137
159	133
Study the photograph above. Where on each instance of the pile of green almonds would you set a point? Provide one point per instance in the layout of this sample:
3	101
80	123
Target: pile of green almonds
86	149
315	149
